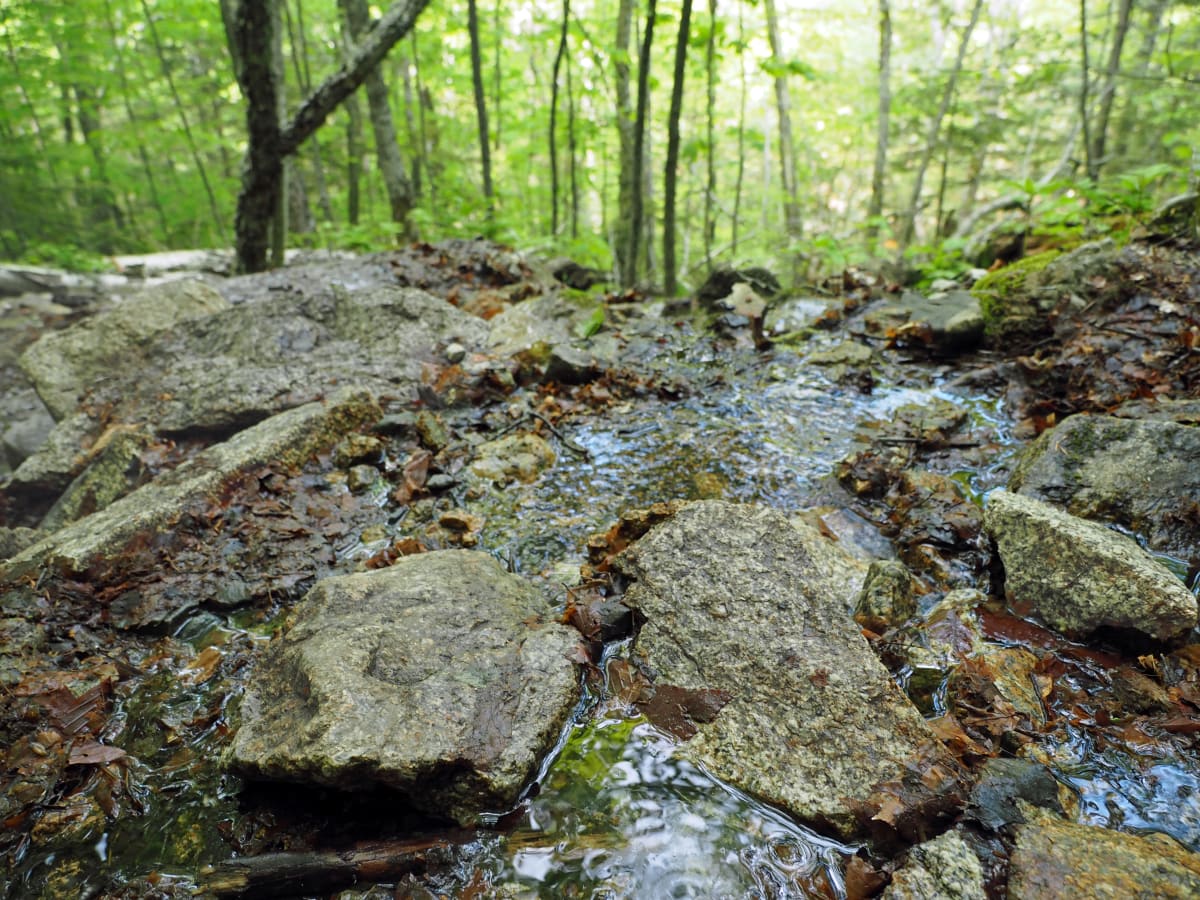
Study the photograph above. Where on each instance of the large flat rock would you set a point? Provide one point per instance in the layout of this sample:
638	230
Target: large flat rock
435	677
734	602
1078	576
288	438
1143	475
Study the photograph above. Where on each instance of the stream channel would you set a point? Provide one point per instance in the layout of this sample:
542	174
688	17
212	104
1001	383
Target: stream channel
612	813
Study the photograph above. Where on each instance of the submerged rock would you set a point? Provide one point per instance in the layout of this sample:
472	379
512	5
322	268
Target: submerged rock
1054	859
1078	576
514	457
735	608
432	677
287	438
1143	475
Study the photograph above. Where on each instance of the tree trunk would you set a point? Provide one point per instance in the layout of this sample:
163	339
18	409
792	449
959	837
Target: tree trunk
354	158
481	108
669	173
710	156
741	131
387	150
1109	91
187	128
572	152
558	58
787	148
879	174
279	224
639	137
410	122
1084	76
935	128
1141	66
627	186
304	78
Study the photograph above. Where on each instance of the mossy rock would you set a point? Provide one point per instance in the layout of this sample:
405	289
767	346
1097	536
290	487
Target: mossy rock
1005	299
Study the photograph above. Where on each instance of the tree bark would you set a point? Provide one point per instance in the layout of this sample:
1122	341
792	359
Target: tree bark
279	224
627	186
710	156
669	173
481	108
558	58
639	136
741	131
572	152
387	150
879	174
1125	125
787	148
1109	91
935	128
304	78
269	144
1084	76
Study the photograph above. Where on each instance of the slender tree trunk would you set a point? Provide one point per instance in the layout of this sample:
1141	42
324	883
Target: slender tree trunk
741	130
558	58
787	148
135	125
879	174
1109	91
299	44
354	158
497	81
670	173
639	136
387	150
572	152
480	108
1141	66
179	107
935	128
627	183
410	122
710	115
1084	102
279	224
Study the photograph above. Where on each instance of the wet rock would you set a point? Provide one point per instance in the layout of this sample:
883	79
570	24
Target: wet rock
55	464
887	595
944	868
354	449
721	281
1054	859
571	365
431	431
734	604
287	438
1139	694
64	364
430	677
111	473
14	540
514	457
845	361
1005	781
1018	300
361	477
943	323
843	567
549	320
1142	475
1078	576
31	424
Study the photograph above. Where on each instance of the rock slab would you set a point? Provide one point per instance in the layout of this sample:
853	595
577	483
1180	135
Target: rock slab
1143	475
433	677
734	603
1078	576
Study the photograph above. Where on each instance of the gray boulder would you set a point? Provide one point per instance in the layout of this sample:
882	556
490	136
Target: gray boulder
65	364
1143	475
735	608
1078	576
944	323
431	677
287	438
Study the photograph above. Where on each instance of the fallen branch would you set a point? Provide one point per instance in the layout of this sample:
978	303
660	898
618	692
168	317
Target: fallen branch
318	872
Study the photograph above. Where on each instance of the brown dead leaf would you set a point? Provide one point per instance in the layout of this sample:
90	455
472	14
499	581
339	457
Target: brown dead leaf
202	668
93	753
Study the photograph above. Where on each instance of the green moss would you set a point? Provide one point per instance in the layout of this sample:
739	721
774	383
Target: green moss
998	292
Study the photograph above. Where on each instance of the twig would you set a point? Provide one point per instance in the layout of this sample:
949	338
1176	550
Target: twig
566	441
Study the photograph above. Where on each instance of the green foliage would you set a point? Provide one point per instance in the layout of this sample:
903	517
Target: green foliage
65	256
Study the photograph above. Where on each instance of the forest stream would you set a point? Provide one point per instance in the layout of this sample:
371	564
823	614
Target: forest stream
123	680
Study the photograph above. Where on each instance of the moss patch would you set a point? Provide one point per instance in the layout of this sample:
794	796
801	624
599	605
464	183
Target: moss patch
1005	310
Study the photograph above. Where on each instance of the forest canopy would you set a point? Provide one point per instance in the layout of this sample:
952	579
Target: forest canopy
653	137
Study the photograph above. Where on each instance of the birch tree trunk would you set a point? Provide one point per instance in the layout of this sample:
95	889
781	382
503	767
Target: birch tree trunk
935	128
669	173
